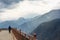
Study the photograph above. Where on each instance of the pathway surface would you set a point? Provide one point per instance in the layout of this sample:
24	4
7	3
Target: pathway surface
4	35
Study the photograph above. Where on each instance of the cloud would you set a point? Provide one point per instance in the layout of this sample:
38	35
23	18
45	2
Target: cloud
8	3
35	0
25	8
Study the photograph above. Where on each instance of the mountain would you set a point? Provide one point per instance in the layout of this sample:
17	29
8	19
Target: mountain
13	23
48	30
28	27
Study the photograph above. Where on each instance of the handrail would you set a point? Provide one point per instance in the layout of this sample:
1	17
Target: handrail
18	35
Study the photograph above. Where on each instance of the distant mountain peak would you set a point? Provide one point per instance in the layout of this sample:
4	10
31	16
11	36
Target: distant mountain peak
21	18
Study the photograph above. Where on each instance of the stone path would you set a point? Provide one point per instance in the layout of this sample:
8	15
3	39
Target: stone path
4	35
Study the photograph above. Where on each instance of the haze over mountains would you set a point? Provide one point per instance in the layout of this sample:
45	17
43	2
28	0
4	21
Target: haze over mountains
12	23
50	29
29	25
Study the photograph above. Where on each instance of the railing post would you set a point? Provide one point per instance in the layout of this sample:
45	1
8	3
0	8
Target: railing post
30	38
20	31
34	36
20	35
25	36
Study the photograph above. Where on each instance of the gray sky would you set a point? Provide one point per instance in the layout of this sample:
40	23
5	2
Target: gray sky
14	9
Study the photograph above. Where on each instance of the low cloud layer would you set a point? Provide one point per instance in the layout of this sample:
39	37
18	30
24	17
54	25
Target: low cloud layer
26	8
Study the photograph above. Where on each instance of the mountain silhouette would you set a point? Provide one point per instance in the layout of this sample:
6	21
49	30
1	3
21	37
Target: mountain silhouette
13	23
48	30
28	27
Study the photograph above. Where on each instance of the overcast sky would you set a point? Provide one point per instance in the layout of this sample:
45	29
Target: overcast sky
14	9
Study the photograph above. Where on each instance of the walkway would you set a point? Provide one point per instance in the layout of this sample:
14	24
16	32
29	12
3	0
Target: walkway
15	35
4	35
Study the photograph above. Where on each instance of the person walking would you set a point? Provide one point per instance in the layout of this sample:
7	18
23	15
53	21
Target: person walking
9	28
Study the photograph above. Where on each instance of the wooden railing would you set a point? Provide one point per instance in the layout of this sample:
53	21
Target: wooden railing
18	35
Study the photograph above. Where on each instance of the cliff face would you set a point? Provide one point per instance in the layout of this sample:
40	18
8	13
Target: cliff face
48	30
